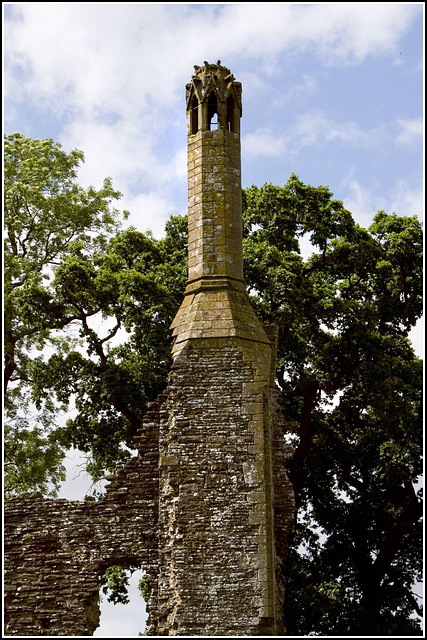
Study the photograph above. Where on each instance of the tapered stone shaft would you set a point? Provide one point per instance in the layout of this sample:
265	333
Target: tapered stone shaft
216	303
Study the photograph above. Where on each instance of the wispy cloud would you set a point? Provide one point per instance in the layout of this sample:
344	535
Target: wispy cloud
410	131
263	143
120	55
112	74
362	202
303	89
254	85
347	33
404	199
150	211
314	128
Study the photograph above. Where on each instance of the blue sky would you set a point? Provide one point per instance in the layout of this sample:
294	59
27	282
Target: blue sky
331	92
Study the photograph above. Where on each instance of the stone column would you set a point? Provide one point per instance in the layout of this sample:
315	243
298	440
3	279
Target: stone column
215	303
217	572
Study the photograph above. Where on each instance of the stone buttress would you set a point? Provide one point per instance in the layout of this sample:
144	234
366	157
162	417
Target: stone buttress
217	563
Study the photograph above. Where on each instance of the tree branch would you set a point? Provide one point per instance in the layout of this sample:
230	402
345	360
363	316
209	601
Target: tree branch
97	343
297	471
393	539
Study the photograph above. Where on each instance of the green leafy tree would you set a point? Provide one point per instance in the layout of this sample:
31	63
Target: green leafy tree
352	394
115	583
100	300
46	216
135	285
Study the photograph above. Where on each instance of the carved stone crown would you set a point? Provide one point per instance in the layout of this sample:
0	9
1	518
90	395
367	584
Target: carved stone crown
213	77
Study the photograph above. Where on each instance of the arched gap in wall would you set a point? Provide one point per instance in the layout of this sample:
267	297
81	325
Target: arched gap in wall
194	115
122	605
230	113
213	111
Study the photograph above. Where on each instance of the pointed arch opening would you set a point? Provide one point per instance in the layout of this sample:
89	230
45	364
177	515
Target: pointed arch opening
194	111
213	111
230	114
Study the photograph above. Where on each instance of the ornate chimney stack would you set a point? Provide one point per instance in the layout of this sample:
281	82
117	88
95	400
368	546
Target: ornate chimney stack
219	573
215	205
215	303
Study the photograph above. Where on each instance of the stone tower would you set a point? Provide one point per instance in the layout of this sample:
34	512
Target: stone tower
206	505
216	499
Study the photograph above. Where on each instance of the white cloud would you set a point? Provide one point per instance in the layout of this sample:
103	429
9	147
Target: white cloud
263	142
87	56
410	130
254	85
346	33
115	72
127	152
111	150
149	211
307	87
90	57
338	33
404	199
314	127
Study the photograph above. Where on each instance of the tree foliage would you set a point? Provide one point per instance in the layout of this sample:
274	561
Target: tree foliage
103	300
47	215
115	584
133	287
352	394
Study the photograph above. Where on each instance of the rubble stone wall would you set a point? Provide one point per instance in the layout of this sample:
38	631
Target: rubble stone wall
216	575
56	550
284	508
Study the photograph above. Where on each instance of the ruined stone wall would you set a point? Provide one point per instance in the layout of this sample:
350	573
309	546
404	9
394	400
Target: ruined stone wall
206	507
51	581
205	539
56	550
203	554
